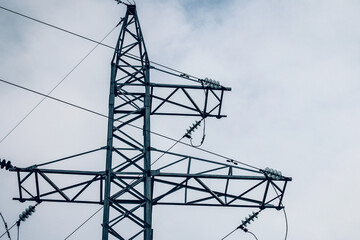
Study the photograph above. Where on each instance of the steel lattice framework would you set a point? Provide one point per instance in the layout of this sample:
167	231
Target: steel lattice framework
128	188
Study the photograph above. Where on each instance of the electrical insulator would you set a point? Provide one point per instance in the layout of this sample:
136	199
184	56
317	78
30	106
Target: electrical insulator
6	164
192	129
211	83
248	220
25	214
273	173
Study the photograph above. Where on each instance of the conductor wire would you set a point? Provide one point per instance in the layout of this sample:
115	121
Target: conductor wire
285	215
6	227
62	80
134	126
94	41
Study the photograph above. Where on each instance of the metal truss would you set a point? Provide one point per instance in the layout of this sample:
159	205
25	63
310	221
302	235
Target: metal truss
130	186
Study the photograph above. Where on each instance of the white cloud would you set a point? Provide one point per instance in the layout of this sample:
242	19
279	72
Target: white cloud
294	70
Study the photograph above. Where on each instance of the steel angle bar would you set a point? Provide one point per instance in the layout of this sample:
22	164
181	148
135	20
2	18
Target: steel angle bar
55	187
137	234
173	163
220	194
187	114
177	187
69	157
126	189
164	101
227	183
212	170
175	103
127	214
209	191
186	183
128	162
192	101
88	182
266	191
114	233
206	99
26	177
57	171
27	192
213	176
86	186
128	121
247	191
132	34
167	85
37	186
137	112
130	102
129	46
127	142
132	76
125	98
207	161
130	137
213	205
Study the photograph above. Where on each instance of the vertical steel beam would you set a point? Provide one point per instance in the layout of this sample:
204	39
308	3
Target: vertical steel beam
109	151
147	158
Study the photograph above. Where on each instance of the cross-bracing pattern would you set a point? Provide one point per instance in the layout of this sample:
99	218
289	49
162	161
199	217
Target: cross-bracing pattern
129	187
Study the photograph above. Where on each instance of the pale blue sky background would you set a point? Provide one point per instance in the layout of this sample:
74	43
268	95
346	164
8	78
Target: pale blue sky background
294	70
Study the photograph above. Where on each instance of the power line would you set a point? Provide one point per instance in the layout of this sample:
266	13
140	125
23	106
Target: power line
285	215
187	76
134	126
253	235
47	95
99	43
6	226
53	26
82	224
8	230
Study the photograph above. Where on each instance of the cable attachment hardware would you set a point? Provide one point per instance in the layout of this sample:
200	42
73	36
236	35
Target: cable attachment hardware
6	164
192	129
208	82
232	161
25	214
273	173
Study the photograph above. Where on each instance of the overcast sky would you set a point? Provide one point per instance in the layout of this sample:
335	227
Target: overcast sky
293	67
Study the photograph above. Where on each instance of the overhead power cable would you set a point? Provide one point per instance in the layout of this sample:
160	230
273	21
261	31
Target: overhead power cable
8	230
98	42
53	26
129	183
82	224
134	126
253	235
62	80
286	220
6	226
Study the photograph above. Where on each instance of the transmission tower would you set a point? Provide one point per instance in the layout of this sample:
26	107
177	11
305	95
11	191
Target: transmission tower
129	187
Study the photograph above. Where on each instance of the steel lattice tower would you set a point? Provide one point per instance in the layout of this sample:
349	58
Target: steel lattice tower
129	187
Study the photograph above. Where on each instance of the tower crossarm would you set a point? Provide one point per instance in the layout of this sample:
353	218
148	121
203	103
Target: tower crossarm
53	185
203	182
184	100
